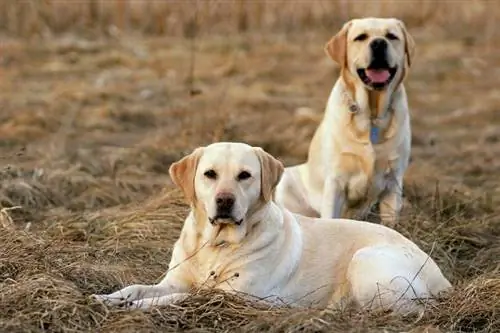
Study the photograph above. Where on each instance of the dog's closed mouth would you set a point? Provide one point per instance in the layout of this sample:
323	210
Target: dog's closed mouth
224	219
377	77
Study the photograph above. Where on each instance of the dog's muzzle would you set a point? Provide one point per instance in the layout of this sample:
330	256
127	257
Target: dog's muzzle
224	219
379	73
224	203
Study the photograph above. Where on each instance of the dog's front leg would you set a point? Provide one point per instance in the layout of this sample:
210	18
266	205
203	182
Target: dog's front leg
333	200
171	284
146	303
132	293
391	204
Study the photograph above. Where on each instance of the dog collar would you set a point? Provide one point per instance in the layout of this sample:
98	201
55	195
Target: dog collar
374	134
351	104
374	128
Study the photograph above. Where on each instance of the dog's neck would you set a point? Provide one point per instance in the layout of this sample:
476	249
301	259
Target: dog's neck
379	103
376	104
372	110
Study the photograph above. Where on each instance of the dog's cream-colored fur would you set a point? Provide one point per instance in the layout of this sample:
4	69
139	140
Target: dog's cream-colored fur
275	255
345	174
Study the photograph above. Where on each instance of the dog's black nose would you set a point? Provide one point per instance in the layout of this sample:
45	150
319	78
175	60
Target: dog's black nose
378	46
224	202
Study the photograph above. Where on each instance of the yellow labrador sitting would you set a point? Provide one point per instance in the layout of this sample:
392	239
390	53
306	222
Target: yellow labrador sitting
361	148
237	239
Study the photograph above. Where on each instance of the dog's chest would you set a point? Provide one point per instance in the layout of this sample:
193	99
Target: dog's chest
213	268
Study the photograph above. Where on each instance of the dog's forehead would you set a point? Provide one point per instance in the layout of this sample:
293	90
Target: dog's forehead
374	25
233	155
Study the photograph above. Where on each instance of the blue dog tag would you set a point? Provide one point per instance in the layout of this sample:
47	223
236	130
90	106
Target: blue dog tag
374	133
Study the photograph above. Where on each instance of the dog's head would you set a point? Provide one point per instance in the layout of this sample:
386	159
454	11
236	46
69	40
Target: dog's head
227	181
373	51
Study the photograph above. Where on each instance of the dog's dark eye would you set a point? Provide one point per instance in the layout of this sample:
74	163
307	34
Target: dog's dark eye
210	174
244	175
361	37
391	36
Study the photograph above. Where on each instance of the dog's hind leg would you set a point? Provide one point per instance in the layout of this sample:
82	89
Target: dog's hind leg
388	277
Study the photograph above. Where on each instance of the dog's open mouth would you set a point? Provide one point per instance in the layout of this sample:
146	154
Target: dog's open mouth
378	78
224	219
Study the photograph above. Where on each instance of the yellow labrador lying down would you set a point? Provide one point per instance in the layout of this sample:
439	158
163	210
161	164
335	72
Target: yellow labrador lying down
236	238
361	149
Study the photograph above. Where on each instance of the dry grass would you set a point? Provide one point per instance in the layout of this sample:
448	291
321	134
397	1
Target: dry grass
183	17
89	127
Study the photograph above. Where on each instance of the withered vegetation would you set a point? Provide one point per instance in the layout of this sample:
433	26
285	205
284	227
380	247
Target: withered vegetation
92	117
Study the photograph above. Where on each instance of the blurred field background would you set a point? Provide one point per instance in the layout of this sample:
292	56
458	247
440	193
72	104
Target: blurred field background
179	18
98	98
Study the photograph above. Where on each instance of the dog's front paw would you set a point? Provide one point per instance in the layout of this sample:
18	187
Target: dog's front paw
110	299
139	304
122	297
147	303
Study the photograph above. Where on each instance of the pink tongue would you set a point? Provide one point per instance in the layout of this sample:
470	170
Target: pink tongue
378	75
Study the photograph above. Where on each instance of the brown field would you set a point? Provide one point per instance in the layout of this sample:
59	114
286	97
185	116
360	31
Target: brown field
92	117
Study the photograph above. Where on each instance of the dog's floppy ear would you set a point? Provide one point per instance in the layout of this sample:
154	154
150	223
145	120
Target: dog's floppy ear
336	48
183	171
409	43
270	173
